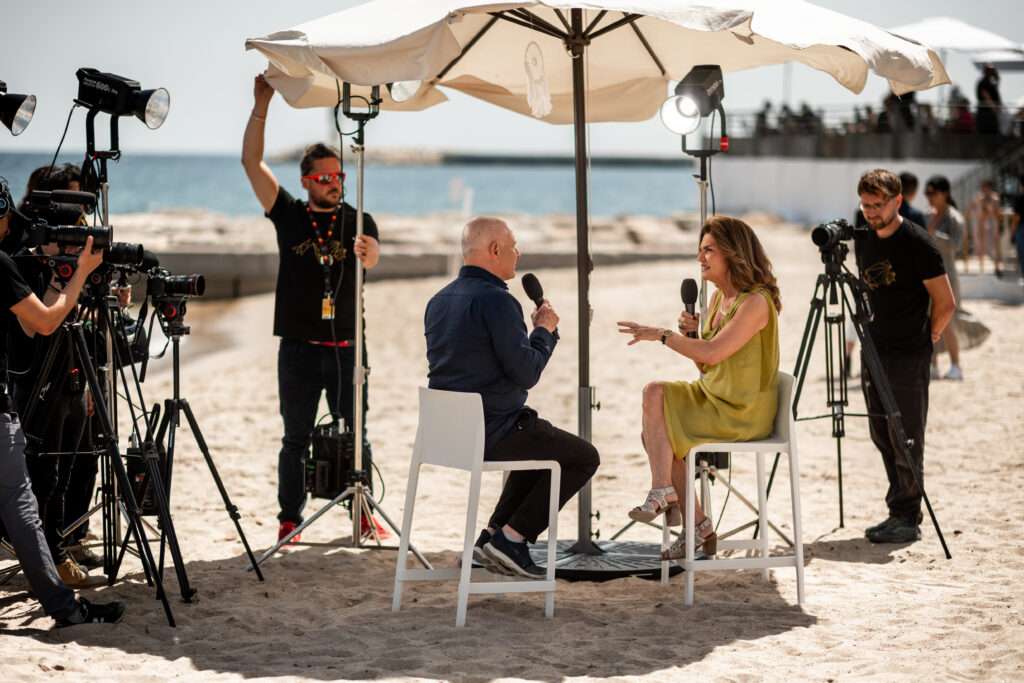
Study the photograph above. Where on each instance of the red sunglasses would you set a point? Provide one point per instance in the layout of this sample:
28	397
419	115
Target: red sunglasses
325	178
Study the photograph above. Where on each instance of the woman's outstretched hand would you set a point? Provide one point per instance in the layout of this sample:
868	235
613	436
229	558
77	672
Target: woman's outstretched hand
640	332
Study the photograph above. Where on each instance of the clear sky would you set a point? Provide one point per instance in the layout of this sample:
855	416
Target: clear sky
195	48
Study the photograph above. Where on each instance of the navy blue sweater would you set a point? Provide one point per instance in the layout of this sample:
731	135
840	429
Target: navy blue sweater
477	342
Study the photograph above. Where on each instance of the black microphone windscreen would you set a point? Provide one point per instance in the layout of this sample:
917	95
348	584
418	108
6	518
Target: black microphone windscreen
531	285
689	291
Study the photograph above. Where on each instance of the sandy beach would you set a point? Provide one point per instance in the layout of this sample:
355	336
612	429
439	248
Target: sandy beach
893	613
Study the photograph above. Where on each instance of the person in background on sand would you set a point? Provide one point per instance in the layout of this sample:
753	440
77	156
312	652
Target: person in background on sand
477	342
737	353
946	226
990	102
1017	232
985	216
913	303
314	304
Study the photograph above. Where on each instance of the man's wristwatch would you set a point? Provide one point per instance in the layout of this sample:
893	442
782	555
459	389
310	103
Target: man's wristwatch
665	335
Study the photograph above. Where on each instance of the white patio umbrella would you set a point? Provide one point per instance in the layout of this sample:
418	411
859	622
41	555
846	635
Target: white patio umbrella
946	33
577	61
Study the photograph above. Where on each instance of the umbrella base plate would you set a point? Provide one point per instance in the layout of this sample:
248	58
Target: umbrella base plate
619	560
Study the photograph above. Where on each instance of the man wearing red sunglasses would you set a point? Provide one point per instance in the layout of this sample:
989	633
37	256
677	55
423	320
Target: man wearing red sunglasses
314	307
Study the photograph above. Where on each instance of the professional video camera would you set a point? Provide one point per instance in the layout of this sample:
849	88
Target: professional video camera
59	217
164	285
56	217
827	235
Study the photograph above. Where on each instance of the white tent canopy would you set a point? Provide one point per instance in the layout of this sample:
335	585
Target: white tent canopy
435	41
1003	60
946	33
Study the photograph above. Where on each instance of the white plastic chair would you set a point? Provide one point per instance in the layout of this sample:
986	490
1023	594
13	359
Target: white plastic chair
782	440
451	434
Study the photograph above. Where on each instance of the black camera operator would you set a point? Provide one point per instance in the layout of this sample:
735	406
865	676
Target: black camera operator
317	249
18	509
913	302
62	468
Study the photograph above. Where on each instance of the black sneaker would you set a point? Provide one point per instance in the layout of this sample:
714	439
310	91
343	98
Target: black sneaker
515	557
93	613
871	530
482	559
900	531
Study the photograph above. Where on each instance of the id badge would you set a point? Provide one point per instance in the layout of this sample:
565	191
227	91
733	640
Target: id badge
326	308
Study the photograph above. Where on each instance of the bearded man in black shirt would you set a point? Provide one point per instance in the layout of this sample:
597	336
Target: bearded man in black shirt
912	302
314	307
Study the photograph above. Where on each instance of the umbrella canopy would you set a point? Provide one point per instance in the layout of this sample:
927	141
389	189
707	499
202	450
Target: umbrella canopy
513	53
946	33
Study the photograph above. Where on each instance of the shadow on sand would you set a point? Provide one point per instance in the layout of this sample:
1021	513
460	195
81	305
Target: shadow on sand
325	613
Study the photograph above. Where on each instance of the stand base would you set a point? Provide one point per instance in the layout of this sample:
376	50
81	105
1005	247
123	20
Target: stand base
617	560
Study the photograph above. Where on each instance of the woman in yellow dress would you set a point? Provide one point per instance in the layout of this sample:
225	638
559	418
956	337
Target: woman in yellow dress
738	358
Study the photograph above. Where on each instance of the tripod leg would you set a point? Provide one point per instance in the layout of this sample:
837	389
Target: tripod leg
168	534
895	421
371	503
121	475
839	468
232	510
347	493
169	425
803	357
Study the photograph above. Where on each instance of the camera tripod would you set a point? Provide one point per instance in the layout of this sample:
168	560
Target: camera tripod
839	285
117	489
170	311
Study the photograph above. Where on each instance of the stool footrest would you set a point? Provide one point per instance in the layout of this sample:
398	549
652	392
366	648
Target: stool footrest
740	563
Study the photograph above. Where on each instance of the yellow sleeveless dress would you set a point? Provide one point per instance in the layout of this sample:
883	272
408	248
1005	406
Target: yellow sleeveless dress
734	400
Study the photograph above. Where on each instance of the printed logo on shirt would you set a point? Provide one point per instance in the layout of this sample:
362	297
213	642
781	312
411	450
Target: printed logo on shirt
336	250
878	275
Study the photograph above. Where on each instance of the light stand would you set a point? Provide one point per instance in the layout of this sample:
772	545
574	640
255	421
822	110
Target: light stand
695	123
362	502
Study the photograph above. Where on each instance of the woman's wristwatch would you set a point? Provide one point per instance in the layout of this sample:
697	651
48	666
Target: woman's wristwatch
665	334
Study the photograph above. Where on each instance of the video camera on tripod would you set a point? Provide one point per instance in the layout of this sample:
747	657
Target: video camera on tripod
57	217
828	236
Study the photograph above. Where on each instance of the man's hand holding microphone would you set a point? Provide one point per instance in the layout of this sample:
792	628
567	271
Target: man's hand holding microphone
544	315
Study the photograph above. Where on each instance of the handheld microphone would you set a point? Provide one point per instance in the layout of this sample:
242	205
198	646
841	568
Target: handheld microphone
689	293
531	285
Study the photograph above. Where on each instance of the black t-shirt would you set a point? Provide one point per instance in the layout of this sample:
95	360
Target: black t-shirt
988	87
13	289
894	269
1018	207
22	349
300	277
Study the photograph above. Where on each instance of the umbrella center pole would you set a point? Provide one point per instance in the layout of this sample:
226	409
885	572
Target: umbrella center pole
576	42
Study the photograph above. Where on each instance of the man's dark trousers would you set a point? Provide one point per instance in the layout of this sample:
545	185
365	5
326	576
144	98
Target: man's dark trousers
523	504
20	515
908	375
52	466
304	372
